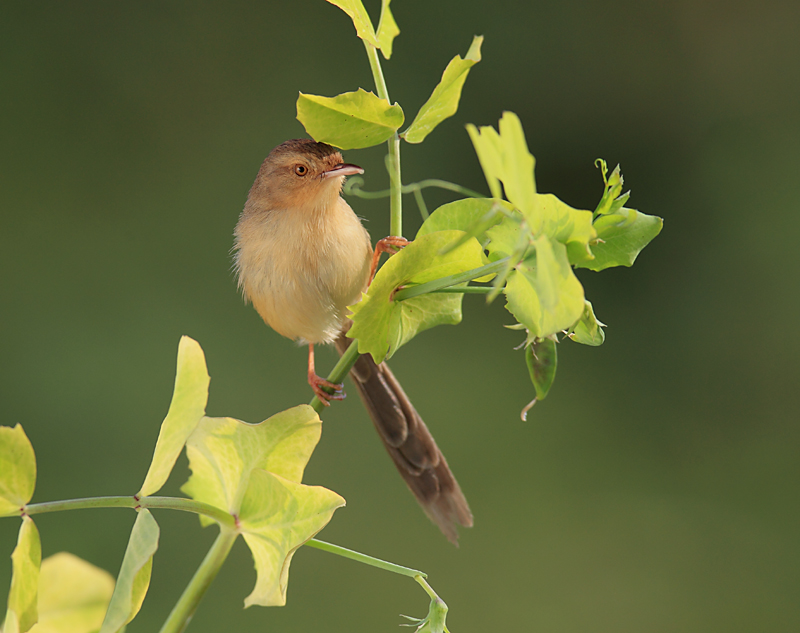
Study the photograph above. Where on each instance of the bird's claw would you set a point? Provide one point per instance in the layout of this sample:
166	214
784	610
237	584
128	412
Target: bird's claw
317	383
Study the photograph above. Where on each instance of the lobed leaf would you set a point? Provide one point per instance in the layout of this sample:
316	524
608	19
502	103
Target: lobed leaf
486	141
443	102
73	595
26	559
387	30
621	237
518	165
541	356
134	573
380	324
474	216
277	517
352	120
543	292
355	9
222	453
17	469
588	330
188	406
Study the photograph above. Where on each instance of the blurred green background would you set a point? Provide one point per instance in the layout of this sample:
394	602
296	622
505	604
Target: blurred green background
655	490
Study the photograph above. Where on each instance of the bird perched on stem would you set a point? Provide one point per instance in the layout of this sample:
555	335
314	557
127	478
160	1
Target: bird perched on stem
303	256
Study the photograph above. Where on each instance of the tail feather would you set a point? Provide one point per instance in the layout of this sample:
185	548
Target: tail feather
410	445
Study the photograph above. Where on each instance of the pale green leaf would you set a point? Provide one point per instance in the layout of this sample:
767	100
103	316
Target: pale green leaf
223	451
381	324
461	215
134	574
541	357
26	559
73	595
188	406
349	121
443	102
621	237
589	330
518	165
387	29
355	9
277	517
504	156
569	226
506	237
486	141
17	469
543	292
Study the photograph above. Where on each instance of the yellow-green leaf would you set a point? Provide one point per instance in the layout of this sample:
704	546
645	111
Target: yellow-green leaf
543	292
588	330
188	406
26	559
222	452
387	29
277	517
355	9
382	324
73	595
349	121
621	237
504	156
443	102
17	469
134	574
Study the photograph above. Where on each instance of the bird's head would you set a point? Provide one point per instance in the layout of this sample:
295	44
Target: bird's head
300	174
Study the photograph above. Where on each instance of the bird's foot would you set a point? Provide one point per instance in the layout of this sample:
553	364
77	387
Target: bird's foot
317	383
391	245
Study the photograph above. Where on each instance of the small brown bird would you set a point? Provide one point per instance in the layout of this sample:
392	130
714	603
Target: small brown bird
303	256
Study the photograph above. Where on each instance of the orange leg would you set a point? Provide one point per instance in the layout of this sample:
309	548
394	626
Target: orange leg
317	383
390	245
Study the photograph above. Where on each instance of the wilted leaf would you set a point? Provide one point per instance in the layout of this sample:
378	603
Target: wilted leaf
443	102
73	595
26	559
541	357
349	121
381	324
17	469
223	451
134	573
188	406
277	517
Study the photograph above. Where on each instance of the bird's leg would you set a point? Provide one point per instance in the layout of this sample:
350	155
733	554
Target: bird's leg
390	245
317	382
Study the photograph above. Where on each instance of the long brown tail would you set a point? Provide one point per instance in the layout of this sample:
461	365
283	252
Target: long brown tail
410	445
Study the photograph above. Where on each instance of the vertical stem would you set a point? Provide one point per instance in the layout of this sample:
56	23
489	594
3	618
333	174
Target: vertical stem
183	611
395	179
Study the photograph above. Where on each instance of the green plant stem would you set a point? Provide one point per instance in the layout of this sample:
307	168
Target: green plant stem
465	290
339	371
428	589
183	611
452	280
367	560
395	179
172	503
353	187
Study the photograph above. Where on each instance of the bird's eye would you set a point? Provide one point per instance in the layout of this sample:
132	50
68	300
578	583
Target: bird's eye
300	170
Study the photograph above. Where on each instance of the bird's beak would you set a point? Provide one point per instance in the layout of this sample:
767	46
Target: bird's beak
345	169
